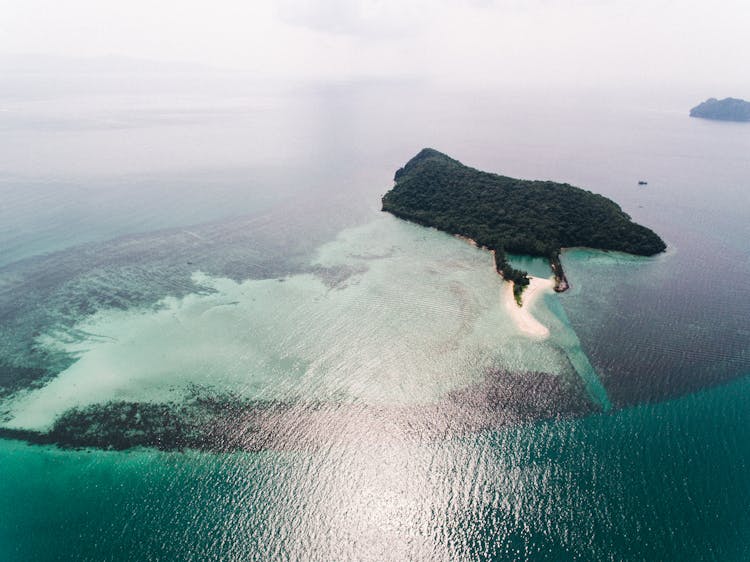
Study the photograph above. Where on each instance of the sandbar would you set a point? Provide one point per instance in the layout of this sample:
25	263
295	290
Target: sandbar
521	315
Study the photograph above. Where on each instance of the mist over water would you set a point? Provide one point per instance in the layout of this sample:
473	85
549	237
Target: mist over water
230	244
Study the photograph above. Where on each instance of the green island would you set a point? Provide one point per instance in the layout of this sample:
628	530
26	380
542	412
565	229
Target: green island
508	215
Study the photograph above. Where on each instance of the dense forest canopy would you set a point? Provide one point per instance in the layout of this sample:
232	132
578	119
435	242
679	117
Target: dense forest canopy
511	215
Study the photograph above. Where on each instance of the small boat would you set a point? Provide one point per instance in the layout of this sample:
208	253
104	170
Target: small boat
641	182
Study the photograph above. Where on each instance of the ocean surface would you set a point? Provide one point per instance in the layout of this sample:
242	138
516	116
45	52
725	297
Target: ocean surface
214	346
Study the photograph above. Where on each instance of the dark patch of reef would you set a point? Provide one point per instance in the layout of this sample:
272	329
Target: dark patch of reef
226	423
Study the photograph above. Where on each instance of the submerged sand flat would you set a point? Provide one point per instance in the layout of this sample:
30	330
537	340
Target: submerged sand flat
389	312
522	315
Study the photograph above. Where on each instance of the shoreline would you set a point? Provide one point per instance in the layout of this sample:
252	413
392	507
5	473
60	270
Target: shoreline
520	314
468	240
560	283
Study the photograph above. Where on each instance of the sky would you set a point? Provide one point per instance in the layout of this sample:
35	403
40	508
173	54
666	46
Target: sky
536	42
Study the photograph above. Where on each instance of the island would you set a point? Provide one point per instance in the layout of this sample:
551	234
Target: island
508	215
728	109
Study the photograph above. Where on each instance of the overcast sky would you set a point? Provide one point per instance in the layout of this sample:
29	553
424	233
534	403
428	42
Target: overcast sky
567	42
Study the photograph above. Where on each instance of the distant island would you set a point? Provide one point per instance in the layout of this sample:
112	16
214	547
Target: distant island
504	214
728	109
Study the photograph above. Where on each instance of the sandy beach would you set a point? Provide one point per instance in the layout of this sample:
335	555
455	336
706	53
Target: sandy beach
521	315
468	240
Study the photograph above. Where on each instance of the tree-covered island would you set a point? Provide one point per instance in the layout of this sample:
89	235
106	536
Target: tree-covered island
505	214
728	109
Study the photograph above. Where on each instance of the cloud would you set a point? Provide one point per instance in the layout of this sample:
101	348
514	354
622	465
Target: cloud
363	18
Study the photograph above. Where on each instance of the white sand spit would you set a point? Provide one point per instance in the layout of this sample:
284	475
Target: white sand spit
521	315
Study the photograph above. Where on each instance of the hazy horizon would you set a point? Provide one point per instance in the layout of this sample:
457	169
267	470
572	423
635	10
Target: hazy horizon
554	44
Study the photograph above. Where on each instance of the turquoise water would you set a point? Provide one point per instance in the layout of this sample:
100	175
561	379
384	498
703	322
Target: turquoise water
657	482
238	255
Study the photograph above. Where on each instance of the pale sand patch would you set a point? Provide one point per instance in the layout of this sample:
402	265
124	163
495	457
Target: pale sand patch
521	315
468	240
